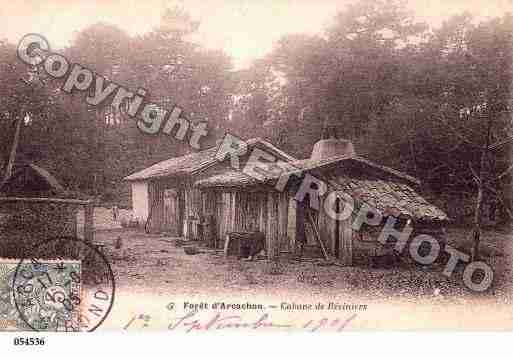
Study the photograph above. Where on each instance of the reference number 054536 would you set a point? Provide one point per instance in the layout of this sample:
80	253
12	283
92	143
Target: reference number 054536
29	341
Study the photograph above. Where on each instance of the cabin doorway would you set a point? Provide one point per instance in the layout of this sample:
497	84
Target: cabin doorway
171	212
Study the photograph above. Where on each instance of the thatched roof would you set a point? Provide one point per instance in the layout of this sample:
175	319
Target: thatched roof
196	162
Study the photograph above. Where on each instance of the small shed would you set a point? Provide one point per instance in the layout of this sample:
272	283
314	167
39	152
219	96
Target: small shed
165	198
35	207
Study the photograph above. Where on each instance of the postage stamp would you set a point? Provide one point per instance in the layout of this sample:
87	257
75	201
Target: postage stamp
46	294
56	294
39	294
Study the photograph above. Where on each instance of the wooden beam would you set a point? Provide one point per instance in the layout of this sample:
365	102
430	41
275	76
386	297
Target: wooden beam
233	208
89	223
272	225
345	241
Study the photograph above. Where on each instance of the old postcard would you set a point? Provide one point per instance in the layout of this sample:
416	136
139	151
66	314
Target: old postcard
256	166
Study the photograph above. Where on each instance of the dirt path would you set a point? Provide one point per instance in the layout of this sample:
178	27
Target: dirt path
103	218
152	271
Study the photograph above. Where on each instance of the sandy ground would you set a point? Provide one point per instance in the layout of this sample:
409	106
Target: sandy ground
103	218
154	279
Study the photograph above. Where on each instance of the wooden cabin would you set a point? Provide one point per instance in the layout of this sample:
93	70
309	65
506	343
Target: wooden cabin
165	196
203	187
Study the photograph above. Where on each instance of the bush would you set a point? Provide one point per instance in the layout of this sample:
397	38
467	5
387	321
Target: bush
24	225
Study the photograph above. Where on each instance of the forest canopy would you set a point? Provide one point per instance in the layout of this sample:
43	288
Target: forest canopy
409	96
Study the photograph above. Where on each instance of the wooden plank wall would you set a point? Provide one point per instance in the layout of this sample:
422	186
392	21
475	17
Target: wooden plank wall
263	215
225	213
329	232
326	228
156	203
193	209
238	211
209	200
88	223
346	242
283	210
193	202
248	211
272	235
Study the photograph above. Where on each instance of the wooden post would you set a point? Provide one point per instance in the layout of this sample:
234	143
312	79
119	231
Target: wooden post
262	204
233	208
283	220
272	225
292	224
300	226
89	223
345	241
187	224
227	245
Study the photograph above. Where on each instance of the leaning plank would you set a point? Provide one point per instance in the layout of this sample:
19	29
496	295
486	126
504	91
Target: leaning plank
317	236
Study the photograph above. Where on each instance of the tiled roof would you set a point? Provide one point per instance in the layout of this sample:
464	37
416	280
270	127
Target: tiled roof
388	197
309	164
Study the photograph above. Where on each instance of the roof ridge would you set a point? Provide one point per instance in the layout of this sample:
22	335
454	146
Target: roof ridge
159	169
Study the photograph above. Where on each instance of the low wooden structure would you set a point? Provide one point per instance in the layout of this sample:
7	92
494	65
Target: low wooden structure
34	208
232	208
241	203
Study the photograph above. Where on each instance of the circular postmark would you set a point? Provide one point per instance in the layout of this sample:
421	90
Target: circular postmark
63	284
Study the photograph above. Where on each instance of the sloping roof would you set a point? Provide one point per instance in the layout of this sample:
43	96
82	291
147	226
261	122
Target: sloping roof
382	188
176	165
194	162
29	177
48	177
390	196
309	164
237	178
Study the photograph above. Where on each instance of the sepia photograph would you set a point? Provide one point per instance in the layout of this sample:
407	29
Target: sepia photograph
237	166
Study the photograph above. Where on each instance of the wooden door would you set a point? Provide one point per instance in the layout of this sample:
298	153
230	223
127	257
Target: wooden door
171	212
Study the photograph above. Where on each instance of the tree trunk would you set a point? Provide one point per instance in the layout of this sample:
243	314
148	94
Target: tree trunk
480	191
477	223
12	155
